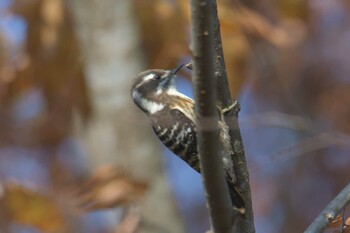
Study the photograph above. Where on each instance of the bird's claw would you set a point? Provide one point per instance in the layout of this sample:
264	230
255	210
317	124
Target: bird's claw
234	106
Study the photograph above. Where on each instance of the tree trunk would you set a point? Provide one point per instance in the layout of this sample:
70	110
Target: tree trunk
118	133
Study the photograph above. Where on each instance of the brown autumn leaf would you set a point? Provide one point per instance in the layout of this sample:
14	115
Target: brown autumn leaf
336	222
237	22
162	32
293	9
50	63
29	207
110	187
237	18
346	228
52	12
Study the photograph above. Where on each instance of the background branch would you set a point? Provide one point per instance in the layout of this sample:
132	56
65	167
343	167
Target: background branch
330	212
206	113
245	224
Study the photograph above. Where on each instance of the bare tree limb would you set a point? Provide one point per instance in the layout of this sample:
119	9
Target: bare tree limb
246	223
330	212
206	113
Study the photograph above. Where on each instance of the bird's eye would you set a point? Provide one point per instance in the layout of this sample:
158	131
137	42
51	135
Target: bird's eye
157	76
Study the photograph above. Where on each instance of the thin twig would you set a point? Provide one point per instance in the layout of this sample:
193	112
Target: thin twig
205	95
330	212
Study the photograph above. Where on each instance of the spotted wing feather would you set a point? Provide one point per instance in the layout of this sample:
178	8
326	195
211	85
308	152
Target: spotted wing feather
178	133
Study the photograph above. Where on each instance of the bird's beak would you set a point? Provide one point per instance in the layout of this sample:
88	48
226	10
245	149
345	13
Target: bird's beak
169	79
177	69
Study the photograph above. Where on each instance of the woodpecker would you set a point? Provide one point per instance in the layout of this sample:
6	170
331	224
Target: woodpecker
172	118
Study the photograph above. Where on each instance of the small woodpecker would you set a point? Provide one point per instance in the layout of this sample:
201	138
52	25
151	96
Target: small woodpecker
173	120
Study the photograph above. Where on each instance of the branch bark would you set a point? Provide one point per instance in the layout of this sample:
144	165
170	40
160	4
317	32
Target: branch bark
206	116
330	212
246	223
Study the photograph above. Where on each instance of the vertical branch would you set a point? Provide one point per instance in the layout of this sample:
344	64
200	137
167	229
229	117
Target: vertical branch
206	116
245	224
330	212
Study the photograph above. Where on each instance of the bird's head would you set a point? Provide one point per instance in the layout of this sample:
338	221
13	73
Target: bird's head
150	86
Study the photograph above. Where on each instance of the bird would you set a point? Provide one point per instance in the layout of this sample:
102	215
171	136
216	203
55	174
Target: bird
172	118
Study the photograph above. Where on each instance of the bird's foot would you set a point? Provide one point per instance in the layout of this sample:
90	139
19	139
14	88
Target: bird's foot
234	106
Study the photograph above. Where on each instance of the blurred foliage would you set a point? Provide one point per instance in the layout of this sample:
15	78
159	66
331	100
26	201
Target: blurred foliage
346	226
110	187
49	60
291	57
28	207
164	27
163	32
341	223
292	8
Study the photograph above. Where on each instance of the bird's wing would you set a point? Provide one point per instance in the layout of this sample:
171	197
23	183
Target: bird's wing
178	133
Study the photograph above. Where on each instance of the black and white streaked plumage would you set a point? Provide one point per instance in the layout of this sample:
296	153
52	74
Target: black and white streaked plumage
173	120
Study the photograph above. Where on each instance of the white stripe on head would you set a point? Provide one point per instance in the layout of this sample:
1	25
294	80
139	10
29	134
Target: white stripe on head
145	79
148	77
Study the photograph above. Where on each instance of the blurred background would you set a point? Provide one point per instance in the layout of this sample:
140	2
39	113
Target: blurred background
77	156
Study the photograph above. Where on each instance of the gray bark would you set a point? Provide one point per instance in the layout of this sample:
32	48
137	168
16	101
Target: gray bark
119	133
243	224
204	80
